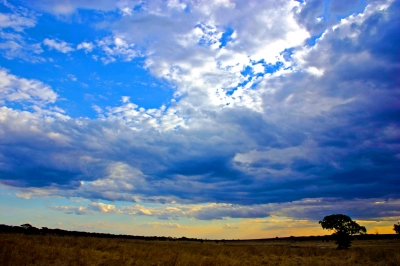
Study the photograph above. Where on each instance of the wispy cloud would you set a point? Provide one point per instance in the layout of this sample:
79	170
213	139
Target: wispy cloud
58	45
18	20
13	41
162	225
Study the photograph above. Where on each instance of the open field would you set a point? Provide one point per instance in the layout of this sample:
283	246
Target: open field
20	249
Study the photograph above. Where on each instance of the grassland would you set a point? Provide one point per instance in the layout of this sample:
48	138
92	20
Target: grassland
20	250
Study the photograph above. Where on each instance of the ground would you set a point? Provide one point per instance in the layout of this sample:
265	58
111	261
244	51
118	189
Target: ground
20	249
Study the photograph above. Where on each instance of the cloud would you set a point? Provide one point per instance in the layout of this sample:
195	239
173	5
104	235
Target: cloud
71	210
72	77
117	47
87	46
308	209
286	224
340	6
101	207
162	225
200	212
15	89
13	43
317	208
15	47
228	226
310	14
60	46
320	122
18	21
66	7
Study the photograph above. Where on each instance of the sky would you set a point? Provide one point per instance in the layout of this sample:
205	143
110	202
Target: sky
221	119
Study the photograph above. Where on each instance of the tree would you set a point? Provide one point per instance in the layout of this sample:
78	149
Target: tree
26	226
344	227
396	228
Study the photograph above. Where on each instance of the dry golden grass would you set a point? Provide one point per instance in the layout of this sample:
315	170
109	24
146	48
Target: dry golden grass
20	250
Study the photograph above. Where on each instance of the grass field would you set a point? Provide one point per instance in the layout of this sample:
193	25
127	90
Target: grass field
20	250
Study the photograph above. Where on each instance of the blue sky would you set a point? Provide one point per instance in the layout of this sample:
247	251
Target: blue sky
222	119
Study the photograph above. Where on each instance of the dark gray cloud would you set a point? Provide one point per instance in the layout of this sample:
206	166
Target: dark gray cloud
309	14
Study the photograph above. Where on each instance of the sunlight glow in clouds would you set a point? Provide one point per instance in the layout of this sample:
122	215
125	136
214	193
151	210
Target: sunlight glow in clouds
230	119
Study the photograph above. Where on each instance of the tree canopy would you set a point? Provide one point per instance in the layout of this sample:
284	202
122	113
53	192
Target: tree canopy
342	224
396	228
343	227
26	226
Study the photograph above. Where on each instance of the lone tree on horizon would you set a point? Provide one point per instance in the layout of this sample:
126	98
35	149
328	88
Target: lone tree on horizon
344	227
396	228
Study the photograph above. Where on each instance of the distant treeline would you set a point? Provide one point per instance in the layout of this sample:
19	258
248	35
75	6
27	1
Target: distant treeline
332	238
31	230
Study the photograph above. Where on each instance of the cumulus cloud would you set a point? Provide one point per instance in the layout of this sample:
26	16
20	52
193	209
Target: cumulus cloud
15	89
311	15
116	47
101	207
58	45
205	59
87	46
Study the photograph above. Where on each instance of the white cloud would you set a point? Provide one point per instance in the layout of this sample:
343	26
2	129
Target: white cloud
186	49
87	46
116	47
125	99
15	47
13	88
60	46
79	210
13	43
126	11
16	21
101	207
72	77
10	46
